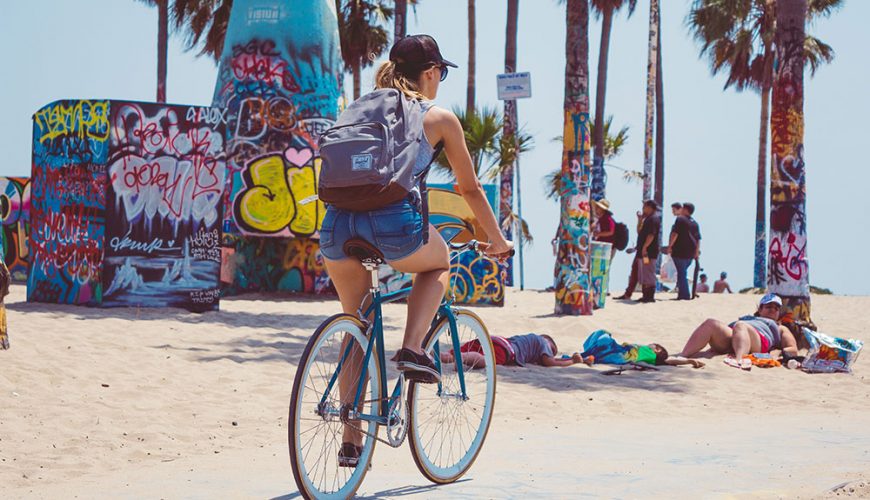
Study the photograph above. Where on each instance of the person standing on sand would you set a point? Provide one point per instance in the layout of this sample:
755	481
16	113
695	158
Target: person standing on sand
721	285
676	209
684	246
648	243
633	276
605	226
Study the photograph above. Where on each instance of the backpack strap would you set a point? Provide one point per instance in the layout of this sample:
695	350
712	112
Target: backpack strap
424	194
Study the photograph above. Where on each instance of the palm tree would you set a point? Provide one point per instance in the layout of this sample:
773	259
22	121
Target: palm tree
572	286
472	56
492	151
605	9
659	190
789	270
203	22
651	67
362	35
738	37
162	44
506	183
612	147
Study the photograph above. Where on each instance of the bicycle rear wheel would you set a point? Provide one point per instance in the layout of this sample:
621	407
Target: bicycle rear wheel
447	431
315	430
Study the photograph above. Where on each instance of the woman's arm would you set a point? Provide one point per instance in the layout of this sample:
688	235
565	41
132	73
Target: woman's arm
549	361
449	129
789	343
677	361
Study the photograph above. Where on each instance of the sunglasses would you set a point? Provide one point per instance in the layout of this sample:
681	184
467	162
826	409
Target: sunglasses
443	72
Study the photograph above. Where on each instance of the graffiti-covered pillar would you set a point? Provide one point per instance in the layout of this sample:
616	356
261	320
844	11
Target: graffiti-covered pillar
788	274
573	287
278	83
649	123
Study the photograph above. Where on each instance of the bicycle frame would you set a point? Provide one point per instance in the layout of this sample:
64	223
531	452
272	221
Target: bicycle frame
376	347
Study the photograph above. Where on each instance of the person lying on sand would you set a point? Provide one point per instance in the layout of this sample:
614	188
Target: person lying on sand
518	350
758	333
600	347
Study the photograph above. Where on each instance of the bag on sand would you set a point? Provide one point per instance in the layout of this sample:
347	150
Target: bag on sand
829	354
370	153
620	236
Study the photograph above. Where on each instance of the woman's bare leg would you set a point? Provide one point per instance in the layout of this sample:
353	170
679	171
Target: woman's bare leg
352	283
431	264
711	332
744	340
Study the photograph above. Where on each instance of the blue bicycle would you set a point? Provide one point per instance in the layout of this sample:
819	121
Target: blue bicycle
341	386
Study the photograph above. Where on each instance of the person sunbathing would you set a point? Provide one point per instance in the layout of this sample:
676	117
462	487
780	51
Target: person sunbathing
518	350
758	333
601	347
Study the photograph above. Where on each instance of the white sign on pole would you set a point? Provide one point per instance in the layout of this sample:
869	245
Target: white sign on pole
514	86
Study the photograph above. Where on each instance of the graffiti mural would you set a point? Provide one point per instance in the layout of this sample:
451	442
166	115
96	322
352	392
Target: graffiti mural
788	268
15	218
650	99
166	173
273	265
278	87
67	218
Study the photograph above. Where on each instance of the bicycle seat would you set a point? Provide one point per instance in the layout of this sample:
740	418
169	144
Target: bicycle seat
364	251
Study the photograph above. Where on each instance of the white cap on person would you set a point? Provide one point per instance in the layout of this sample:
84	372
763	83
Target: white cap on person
770	298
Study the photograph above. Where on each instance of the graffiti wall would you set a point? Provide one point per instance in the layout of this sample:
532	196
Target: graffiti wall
788	269
70	149
278	87
15	218
295	264
166	173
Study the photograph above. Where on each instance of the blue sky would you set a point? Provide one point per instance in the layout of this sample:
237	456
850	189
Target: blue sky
106	49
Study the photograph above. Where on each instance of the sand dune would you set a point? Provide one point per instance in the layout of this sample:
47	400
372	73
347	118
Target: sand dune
148	403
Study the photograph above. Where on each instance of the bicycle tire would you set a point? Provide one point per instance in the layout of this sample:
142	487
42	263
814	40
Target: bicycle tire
419	394
346	480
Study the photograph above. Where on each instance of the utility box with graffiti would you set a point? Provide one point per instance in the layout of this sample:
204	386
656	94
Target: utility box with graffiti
126	204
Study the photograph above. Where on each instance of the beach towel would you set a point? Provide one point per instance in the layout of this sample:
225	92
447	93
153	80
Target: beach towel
829	354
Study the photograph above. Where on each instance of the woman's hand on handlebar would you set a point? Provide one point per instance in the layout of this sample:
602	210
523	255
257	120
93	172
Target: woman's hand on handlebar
500	249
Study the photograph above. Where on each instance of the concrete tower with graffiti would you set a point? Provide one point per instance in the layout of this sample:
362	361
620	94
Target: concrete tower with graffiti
788	268
278	84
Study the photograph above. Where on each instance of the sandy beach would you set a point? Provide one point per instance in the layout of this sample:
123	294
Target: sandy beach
148	403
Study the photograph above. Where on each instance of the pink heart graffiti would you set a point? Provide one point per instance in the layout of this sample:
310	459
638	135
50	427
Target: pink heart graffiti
298	157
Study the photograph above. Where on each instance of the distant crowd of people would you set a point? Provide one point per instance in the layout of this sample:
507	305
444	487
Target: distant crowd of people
684	247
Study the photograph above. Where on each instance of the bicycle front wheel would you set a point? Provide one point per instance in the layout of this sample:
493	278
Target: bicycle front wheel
316	430
447	429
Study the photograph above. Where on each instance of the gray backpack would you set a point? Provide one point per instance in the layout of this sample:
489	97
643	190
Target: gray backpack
370	153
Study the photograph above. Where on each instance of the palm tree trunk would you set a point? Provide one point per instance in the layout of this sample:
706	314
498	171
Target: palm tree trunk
573	285
650	100
357	80
472	57
400	25
760	269
506	184
599	179
788	272
659	196
162	43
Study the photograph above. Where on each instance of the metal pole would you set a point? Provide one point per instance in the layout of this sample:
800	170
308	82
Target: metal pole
520	215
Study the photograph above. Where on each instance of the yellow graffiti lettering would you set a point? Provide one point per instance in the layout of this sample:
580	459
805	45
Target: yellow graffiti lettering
267	206
451	205
303	185
82	119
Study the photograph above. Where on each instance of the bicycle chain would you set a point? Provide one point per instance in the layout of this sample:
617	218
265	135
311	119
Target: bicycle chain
360	429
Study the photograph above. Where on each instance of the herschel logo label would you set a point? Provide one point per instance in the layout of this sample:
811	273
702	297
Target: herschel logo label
361	162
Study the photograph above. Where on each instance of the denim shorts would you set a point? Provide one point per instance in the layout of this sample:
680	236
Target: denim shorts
396	230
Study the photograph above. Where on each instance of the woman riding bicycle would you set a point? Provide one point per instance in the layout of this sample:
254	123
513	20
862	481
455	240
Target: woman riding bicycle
416	69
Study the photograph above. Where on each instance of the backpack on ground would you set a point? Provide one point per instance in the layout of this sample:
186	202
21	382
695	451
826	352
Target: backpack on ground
370	153
620	236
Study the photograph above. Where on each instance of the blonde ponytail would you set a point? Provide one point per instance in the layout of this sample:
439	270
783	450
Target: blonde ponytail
388	77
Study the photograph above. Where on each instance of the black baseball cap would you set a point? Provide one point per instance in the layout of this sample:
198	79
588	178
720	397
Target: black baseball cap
416	52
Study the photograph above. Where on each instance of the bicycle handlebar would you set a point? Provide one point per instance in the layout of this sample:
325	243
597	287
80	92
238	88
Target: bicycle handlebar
475	246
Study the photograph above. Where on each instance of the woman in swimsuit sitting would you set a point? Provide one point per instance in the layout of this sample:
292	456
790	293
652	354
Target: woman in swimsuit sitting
759	333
